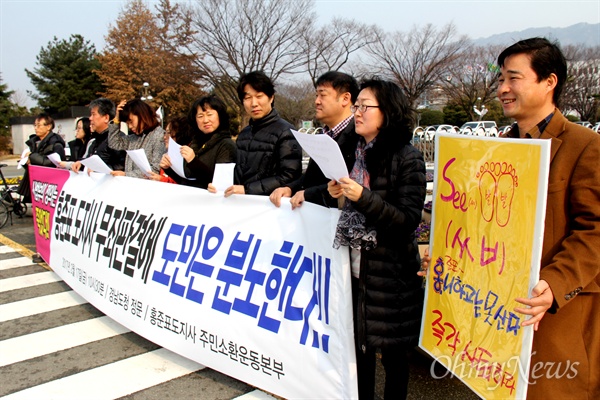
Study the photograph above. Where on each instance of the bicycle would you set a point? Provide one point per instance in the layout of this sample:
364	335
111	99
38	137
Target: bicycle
10	202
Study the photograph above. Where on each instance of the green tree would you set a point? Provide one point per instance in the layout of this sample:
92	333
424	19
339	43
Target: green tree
495	113
431	117
8	109
64	74
454	114
573	118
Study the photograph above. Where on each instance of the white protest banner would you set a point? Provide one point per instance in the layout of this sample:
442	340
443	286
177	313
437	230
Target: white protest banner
254	291
489	203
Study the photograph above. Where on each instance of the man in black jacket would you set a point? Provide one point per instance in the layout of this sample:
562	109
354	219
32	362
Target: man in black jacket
41	145
268	154
102	111
336	92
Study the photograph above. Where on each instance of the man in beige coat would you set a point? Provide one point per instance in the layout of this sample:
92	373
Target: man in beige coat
564	306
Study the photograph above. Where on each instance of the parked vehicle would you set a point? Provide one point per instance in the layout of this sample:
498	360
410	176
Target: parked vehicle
418	135
596	128
479	128
584	123
503	129
430	131
445	128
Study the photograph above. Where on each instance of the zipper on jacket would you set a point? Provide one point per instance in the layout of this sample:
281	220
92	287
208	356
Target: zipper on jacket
362	306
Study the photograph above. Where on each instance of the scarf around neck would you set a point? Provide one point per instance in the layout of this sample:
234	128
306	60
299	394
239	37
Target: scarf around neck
351	228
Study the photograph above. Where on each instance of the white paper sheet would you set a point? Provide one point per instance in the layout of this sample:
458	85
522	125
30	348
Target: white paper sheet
174	153
96	164
55	158
23	159
139	158
325	152
223	176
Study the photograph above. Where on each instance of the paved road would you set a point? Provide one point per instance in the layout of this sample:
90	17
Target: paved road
53	344
11	170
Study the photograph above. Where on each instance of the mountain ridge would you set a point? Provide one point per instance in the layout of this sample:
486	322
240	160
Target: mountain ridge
582	33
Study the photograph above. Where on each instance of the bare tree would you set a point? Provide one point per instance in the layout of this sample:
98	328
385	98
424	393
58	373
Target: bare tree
19	98
472	79
582	89
417	60
296	102
330	47
234	37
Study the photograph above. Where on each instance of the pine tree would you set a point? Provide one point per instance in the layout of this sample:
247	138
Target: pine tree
64	74
8	109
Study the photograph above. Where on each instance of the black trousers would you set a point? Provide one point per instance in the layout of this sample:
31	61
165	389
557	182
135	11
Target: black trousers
394	360
24	188
395	364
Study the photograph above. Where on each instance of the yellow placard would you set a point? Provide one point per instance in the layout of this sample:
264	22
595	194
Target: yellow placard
487	227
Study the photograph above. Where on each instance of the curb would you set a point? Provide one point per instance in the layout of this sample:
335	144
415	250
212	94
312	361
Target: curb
22	250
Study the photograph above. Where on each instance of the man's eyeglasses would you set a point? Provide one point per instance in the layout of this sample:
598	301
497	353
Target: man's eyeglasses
362	108
39	125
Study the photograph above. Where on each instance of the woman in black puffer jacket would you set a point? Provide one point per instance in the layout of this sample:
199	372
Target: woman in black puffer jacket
211	143
383	200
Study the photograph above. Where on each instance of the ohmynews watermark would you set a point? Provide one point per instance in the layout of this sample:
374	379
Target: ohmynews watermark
503	375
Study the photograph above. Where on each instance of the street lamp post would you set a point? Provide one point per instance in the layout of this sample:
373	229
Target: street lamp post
146	92
480	111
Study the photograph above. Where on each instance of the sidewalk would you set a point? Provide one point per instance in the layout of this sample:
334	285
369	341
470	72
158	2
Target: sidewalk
11	160
20	233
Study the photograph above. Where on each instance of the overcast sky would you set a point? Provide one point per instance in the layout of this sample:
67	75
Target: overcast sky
28	25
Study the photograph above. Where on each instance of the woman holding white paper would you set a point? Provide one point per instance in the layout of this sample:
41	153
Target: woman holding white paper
383	199
211	144
178	129
148	135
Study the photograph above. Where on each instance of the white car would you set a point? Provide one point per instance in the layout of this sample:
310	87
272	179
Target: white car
479	128
446	128
584	123
503	129
596	128
430	131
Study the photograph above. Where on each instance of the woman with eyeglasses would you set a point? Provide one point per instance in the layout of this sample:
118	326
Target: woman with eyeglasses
43	143
80	145
211	143
147	134
382	202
